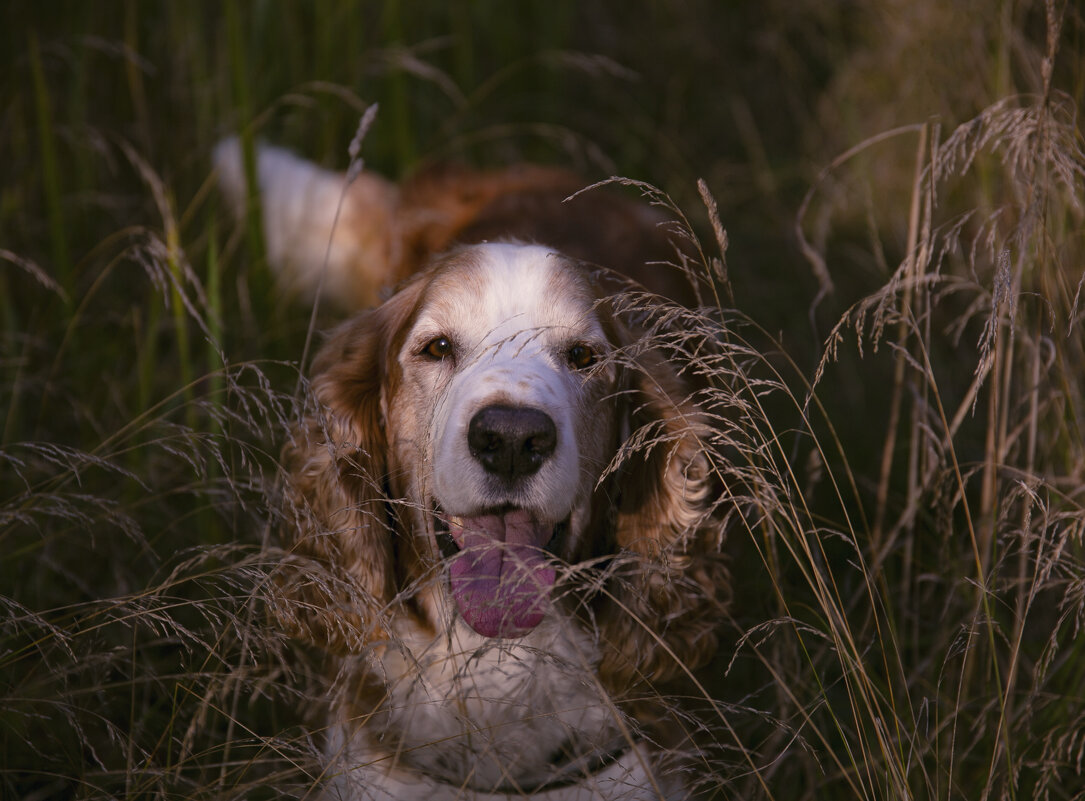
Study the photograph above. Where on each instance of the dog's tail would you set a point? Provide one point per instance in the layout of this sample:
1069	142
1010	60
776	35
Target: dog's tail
322	235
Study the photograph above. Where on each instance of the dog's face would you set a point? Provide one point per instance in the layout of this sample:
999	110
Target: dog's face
496	423
488	440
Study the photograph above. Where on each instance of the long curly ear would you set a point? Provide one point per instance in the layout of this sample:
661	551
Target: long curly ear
672	584
337	580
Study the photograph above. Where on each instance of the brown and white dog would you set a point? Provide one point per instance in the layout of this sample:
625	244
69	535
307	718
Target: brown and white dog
503	522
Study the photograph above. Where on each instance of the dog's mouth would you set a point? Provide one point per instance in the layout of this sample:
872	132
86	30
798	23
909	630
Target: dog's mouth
499	569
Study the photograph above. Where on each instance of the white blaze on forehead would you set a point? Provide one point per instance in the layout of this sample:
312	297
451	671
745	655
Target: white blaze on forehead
500	290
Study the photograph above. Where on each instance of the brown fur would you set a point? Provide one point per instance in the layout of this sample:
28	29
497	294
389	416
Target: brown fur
448	205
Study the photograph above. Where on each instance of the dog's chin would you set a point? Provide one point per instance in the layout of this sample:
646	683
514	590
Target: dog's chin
500	565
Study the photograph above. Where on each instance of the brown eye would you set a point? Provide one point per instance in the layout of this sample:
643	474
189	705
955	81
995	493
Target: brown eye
438	348
581	356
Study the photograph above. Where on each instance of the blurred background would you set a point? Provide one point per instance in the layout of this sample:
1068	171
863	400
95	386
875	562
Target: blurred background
903	173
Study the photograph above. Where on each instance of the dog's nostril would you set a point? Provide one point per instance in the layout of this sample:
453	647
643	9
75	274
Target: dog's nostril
511	441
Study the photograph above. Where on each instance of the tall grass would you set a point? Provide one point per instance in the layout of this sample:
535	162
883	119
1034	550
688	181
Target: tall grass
905	458
944	631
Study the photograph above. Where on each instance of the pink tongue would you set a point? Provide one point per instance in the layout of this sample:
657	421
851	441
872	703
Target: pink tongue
500	580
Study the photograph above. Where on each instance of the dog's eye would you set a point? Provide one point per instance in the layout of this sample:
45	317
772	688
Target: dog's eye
581	356
438	348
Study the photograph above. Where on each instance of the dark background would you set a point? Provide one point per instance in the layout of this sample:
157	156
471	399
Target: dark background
148	367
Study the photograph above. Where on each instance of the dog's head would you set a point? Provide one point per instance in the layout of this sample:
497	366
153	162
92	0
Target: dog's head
488	425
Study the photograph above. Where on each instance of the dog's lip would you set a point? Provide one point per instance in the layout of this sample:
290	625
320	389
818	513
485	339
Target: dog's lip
448	547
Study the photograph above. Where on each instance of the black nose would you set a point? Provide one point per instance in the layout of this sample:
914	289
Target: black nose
511	441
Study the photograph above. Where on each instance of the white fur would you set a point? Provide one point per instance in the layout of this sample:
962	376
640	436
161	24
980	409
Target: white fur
497	707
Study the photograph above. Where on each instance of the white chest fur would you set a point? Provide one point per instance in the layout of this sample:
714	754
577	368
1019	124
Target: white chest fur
470	718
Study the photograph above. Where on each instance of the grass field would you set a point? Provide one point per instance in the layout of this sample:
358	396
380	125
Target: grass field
899	346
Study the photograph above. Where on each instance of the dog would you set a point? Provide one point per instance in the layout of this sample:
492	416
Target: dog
502	520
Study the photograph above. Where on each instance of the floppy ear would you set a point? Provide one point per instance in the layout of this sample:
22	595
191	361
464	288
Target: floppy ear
337	580
321	232
674	585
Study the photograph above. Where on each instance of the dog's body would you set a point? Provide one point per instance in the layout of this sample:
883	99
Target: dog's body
504	526
351	240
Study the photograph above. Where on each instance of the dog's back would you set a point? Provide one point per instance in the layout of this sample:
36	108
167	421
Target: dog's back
352	241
